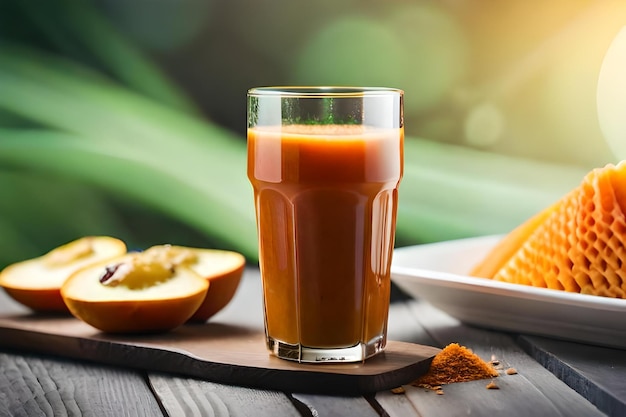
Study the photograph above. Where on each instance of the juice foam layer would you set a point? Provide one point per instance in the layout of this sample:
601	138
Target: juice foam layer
311	132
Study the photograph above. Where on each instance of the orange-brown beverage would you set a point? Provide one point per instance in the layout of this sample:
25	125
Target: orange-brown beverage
326	199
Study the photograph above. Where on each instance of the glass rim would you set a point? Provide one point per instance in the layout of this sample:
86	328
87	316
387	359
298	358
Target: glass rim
322	91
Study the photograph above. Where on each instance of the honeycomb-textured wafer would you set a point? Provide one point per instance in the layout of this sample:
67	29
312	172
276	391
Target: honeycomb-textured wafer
580	246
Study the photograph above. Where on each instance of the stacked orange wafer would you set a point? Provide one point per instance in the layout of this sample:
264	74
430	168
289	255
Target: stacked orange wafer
578	244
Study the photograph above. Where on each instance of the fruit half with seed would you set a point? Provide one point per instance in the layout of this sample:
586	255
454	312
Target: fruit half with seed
135	293
36	282
223	269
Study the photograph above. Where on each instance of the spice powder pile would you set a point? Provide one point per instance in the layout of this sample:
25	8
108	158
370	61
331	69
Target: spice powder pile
455	363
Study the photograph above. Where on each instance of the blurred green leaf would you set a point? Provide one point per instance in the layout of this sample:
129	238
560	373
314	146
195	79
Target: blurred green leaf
123	140
40	212
180	195
451	192
78	30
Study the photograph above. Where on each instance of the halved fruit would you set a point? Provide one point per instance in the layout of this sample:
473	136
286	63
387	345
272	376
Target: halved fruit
135	293
36	282
222	268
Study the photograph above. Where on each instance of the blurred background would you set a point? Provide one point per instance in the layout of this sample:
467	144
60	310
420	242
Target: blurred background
127	118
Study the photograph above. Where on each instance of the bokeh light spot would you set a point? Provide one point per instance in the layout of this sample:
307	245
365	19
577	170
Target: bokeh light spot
354	50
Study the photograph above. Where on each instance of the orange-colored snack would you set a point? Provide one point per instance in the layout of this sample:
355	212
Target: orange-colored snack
510	244
576	245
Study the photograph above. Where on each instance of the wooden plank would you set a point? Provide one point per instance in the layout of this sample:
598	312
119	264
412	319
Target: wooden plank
403	326
218	352
191	397
396	405
246	307
533	391
597	373
32	386
328	406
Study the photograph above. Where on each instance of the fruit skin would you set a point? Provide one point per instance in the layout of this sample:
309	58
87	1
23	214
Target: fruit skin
122	310
47	298
136	316
222	288
40	300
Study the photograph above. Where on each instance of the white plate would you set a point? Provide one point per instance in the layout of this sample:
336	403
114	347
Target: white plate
437	273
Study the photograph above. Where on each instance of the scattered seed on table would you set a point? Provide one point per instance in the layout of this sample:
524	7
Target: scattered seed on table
511	371
492	385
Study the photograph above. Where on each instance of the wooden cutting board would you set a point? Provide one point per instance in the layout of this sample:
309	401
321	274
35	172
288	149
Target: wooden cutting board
219	352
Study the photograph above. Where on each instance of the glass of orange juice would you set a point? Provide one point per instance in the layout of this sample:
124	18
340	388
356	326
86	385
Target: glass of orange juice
325	164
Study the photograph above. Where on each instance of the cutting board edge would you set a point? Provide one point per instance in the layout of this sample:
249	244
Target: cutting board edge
104	352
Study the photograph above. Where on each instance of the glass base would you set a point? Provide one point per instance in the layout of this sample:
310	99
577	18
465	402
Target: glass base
357	353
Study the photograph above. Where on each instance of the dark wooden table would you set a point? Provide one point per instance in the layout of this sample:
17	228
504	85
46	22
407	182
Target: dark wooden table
554	378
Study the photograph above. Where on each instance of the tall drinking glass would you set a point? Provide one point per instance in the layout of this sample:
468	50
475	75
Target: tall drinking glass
325	164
